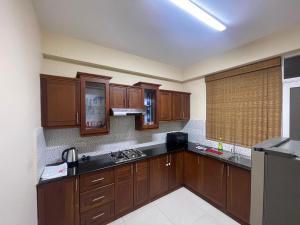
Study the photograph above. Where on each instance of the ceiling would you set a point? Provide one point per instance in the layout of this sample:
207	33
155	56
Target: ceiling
158	30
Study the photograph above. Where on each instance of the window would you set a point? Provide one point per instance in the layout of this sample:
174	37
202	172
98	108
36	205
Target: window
243	105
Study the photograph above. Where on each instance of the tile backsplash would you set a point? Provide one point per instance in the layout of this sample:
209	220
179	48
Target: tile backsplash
122	136
51	142
196	131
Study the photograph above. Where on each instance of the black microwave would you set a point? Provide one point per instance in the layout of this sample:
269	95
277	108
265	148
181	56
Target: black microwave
175	139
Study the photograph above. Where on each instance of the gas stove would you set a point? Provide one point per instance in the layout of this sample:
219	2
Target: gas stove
126	155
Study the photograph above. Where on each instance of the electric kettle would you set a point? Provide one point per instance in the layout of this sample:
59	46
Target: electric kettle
70	156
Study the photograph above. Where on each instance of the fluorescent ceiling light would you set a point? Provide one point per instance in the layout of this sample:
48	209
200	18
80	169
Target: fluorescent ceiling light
193	9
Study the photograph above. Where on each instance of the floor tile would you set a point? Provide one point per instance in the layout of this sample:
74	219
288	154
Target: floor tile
206	220
150	216
180	207
119	221
138	211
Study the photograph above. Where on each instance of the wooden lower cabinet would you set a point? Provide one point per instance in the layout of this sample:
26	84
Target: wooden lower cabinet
239	192
193	177
141	183
98	216
166	173
158	176
58	202
214	181
111	193
123	189
175	178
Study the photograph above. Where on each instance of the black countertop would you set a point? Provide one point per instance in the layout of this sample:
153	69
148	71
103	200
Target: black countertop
96	163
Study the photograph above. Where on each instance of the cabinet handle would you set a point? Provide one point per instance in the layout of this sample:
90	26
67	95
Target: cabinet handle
97	180
227	171
170	160
183	115
76	184
95	217
97	199
77	118
124	102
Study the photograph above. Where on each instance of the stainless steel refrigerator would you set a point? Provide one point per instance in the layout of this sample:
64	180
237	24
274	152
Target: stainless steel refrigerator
275	184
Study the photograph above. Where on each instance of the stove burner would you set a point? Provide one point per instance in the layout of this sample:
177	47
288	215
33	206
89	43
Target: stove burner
126	155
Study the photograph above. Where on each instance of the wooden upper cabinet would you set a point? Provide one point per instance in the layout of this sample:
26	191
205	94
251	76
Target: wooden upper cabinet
214	181
60	101
150	98
165	105
176	106
123	189
117	96
94	104
58	202
141	183
122	96
180	106
185	101
239	192
134	98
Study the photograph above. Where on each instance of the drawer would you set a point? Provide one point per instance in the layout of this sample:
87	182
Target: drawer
95	180
98	216
124	173
97	197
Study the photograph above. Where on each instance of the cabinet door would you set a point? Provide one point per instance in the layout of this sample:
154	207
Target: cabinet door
150	103
158	176
59	101
58	203
185	104
94	106
165	105
176	106
175	170
214	181
117	96
239	192
134	98
193	171
123	189
141	183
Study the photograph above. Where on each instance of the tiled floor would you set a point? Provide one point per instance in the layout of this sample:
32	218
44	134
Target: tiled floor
180	207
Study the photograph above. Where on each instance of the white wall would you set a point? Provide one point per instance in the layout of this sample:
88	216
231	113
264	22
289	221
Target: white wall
198	98
19	111
72	48
274	45
54	67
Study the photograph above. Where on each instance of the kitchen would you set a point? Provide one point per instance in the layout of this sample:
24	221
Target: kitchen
123	126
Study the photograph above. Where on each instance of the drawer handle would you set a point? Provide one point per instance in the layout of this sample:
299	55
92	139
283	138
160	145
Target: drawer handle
97	180
97	199
95	217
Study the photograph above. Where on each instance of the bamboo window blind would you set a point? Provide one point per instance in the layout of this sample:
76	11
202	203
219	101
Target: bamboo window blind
243	105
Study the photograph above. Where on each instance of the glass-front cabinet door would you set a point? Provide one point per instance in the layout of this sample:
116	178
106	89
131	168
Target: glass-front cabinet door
94	104
150	97
150	107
